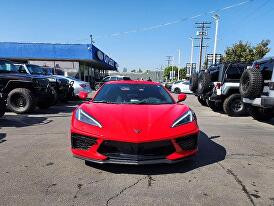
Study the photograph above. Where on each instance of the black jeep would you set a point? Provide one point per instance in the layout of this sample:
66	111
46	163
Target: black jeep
25	92
60	86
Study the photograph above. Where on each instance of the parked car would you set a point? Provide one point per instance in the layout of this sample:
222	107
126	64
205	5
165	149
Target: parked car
134	122
3	102
24	91
225	92
257	89
180	86
60	86
78	85
109	78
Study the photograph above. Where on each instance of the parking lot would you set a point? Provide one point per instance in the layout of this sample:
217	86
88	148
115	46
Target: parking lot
234	166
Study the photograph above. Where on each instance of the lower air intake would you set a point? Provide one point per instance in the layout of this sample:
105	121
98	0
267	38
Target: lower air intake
82	142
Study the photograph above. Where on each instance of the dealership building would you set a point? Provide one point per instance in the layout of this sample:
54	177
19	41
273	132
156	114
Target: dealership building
84	61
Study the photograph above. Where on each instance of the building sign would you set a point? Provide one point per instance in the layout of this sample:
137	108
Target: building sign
105	58
209	57
190	69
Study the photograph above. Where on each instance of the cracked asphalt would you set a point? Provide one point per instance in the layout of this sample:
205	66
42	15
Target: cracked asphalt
235	166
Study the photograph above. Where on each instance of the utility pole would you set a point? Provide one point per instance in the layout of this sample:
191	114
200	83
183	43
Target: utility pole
169	59
179	63
217	18
191	55
202	33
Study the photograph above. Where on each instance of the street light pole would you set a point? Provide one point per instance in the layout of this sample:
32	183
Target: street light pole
217	18
179	63
191	54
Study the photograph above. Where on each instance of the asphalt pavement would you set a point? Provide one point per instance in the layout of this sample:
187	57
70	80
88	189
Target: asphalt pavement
234	166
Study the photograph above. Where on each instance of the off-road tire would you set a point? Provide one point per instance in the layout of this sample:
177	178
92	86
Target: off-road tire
193	83
251	83
202	101
233	106
177	90
204	83
21	100
260	114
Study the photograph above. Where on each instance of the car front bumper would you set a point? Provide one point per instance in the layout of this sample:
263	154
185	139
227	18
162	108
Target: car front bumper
114	152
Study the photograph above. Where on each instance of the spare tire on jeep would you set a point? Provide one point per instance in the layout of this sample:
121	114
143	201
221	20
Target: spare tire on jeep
251	83
21	100
204	82
193	83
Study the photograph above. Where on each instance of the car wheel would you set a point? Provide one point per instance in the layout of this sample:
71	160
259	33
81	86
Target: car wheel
193	82
21	101
260	114
177	91
202	101
204	82
233	106
251	83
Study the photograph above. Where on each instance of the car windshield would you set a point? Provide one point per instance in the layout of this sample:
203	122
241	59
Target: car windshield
33	69
7	67
133	94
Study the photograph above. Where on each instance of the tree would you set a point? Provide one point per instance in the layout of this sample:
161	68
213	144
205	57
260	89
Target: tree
133	71
124	69
244	52
140	71
182	72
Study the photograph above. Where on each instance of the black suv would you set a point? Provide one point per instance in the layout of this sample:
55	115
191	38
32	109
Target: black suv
24	91
257	89
61	88
201	84
3	103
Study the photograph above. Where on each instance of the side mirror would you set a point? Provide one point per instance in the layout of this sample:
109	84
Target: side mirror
83	95
181	97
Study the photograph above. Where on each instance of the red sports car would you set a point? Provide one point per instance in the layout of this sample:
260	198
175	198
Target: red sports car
134	122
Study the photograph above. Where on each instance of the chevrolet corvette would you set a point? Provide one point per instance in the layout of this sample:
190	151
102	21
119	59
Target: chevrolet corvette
133	122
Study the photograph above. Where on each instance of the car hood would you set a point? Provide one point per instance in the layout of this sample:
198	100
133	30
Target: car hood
135	123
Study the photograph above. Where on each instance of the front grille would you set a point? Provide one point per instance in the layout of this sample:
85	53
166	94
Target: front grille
135	151
188	142
82	142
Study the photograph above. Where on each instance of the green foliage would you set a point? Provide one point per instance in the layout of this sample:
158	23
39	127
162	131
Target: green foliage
245	52
182	72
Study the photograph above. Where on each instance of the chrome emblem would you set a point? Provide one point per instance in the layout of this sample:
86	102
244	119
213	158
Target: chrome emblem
137	131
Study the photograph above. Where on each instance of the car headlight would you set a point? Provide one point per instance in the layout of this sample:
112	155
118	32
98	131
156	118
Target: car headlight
187	117
82	116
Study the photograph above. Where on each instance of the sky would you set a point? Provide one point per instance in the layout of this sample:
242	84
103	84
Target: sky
113	24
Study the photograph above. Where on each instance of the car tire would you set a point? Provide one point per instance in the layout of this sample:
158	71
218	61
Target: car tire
193	83
260	114
233	106
202	101
204	82
251	83
177	90
21	100
215	106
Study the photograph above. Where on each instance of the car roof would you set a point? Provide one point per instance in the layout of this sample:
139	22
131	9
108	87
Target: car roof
133	82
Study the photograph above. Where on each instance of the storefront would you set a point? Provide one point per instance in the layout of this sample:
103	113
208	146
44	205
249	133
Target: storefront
83	61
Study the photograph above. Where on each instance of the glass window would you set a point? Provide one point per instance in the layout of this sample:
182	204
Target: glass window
133	94
7	67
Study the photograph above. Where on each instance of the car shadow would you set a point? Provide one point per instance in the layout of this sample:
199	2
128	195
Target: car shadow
2	137
209	153
22	121
59	108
